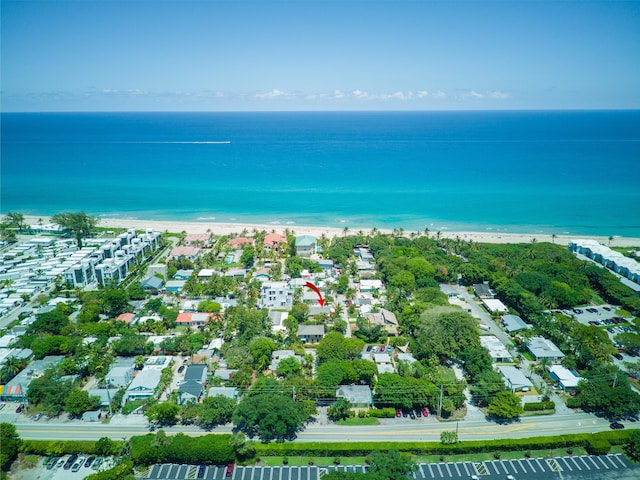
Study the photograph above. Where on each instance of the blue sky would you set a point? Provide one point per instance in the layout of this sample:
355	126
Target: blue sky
149	55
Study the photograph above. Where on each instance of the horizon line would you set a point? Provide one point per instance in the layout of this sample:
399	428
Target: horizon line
498	110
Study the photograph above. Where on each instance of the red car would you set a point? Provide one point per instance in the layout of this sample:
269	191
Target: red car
229	471
19	409
425	412
398	412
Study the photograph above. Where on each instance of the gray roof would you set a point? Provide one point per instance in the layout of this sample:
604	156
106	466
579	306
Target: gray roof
513	323
310	329
514	377
540	347
356	394
154	283
195	372
229	392
192	388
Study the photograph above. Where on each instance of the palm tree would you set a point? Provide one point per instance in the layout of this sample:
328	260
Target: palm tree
553	238
345	230
610	239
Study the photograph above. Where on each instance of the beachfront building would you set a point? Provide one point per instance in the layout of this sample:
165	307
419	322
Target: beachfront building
198	239
274	241
306	245
190	252
623	266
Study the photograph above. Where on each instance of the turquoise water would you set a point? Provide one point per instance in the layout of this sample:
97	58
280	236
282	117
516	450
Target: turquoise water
551	172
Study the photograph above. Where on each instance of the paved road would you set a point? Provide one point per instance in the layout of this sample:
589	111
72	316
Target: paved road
399	430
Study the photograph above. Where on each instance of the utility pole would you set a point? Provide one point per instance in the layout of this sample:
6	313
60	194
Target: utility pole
615	379
440	401
109	398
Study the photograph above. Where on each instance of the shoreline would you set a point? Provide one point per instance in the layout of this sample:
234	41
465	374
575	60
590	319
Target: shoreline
219	228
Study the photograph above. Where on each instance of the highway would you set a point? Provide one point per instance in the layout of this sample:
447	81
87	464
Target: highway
390	430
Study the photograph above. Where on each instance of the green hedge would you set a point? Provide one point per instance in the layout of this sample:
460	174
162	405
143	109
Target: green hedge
535	406
437	448
59	447
381	412
180	448
598	446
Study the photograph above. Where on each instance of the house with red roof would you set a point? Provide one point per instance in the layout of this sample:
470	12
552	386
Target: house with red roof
194	319
240	241
274	240
126	317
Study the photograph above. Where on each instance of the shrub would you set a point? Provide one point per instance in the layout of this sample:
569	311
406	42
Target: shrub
535	406
598	446
382	412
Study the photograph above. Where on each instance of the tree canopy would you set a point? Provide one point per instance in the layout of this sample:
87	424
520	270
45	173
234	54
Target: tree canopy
270	416
79	224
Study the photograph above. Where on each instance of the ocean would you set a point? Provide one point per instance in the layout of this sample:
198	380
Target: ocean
562	172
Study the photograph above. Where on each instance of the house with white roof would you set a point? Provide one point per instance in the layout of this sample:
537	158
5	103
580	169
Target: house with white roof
275	295
567	379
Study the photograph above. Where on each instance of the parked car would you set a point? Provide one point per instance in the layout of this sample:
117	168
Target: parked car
52	463
425	412
398	412
37	417
412	414
181	369
76	466
616	426
418	413
97	462
89	461
405	414
618	356
201	470
2	404
70	461
229	471
19	409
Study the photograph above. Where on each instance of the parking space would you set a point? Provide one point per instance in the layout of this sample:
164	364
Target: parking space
581	466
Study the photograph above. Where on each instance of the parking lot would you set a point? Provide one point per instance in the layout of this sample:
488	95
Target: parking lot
569	467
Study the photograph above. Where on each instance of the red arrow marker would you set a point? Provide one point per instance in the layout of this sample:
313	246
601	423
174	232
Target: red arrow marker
315	289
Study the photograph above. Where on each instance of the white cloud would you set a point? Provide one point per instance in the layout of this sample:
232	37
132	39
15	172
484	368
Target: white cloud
491	95
275	93
439	94
422	94
360	94
338	94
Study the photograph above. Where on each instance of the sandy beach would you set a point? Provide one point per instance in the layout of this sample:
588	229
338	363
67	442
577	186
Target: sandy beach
229	228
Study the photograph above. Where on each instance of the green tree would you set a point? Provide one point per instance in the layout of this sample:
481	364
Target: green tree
105	446
288	367
334	346
216	410
391	465
505	405
248	256
10	442
261	349
79	401
80	225
632	446
165	413
270	416
14	220
340	409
